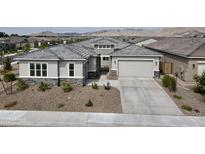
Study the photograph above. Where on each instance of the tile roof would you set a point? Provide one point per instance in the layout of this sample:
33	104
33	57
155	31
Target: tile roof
59	52
83	50
184	47
200	52
134	50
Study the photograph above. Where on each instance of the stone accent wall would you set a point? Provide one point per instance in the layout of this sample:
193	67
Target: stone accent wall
157	74
33	81
78	81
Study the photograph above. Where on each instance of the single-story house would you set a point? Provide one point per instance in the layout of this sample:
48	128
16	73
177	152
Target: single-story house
80	61
182	56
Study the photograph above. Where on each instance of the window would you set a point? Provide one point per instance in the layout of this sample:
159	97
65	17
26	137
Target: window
95	46
71	69
44	69
105	58
38	69
32	69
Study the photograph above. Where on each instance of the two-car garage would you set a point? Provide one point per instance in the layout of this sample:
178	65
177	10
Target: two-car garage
135	68
135	61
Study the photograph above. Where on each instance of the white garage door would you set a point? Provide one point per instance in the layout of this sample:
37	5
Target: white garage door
201	68
138	68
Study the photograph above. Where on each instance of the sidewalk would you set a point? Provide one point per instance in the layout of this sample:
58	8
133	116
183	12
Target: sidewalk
84	119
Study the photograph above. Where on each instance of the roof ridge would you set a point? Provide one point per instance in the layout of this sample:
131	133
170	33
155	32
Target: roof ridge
74	50
54	54
88	48
117	50
196	49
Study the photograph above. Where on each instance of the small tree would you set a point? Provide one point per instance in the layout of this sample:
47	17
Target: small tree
7	64
3	86
10	77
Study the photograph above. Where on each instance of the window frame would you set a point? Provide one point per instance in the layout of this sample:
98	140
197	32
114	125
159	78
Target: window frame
71	69
41	69
106	58
34	70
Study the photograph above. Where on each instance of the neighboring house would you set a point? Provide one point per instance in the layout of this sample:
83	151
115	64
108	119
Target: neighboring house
12	42
184	56
2	43
80	61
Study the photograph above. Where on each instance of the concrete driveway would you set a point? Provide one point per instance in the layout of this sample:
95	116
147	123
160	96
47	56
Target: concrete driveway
145	96
142	96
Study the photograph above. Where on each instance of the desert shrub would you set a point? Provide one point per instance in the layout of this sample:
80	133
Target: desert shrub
186	107
89	103
172	84
107	86
10	104
21	85
43	86
169	82
177	97
67	87
165	81
61	105
200	83
9	77
94	85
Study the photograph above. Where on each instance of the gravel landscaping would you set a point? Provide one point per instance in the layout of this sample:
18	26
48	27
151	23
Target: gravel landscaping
55	99
186	98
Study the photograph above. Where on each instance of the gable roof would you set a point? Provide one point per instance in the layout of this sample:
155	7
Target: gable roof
59	52
134	50
184	47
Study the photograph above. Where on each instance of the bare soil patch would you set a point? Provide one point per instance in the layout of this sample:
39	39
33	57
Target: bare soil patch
55	99
188	98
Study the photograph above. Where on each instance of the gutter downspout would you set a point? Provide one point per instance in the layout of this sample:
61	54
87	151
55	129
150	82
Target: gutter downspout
58	73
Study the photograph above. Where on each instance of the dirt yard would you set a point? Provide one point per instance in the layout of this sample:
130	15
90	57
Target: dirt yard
188	97
55	99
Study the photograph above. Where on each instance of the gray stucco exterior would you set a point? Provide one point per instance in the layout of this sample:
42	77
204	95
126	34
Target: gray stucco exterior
52	70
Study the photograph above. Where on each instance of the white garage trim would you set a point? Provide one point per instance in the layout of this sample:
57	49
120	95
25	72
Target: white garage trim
149	67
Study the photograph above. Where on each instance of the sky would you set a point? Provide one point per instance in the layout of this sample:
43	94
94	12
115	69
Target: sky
30	30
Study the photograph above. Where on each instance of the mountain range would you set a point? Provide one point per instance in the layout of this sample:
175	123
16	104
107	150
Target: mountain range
139	32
